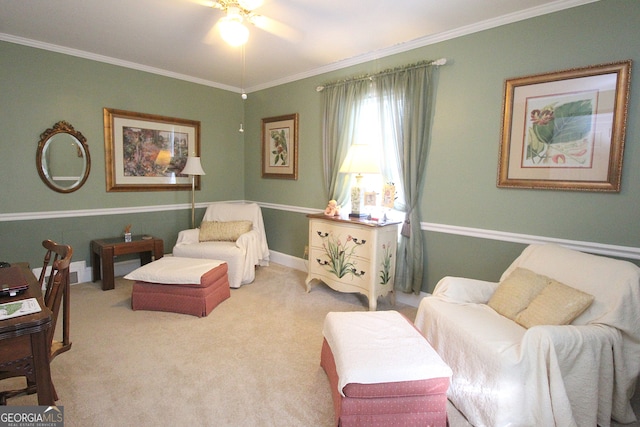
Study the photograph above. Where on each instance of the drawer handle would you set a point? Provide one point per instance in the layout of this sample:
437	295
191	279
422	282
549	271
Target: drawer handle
354	239
350	270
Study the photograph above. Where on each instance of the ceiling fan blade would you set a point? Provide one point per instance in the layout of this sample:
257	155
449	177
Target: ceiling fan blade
205	3
275	27
213	35
250	4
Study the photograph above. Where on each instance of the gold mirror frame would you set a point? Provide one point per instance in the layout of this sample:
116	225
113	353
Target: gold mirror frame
65	162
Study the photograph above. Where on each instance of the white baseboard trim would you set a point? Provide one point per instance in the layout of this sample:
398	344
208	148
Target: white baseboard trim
78	272
301	265
85	273
123	268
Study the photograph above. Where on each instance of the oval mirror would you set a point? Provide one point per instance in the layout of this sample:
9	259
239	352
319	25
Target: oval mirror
63	158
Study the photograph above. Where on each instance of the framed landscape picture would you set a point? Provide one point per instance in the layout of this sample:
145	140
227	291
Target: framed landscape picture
280	147
145	152
565	130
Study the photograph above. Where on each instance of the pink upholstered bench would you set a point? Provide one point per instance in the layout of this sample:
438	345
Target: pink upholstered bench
180	285
393	376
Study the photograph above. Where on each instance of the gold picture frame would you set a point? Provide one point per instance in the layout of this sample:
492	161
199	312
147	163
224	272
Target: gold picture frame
146	152
280	147
565	130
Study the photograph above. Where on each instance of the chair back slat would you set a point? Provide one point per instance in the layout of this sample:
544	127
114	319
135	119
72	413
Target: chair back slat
58	260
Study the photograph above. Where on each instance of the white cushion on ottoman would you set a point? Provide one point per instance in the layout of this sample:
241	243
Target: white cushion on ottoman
380	347
174	270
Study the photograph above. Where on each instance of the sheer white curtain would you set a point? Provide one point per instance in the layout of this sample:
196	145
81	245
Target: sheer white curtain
342	104
403	122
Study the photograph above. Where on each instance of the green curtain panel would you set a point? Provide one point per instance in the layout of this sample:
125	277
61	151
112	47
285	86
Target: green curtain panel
404	96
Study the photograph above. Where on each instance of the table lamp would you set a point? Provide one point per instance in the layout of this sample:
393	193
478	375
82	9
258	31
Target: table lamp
193	168
361	159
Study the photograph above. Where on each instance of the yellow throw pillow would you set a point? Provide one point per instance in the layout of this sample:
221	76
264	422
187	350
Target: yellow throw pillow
517	291
218	231
557	304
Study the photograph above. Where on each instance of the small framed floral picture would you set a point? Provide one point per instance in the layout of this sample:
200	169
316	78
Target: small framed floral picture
388	195
370	198
280	147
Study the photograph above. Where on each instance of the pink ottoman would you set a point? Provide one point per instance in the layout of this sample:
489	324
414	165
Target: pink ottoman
205	286
407	402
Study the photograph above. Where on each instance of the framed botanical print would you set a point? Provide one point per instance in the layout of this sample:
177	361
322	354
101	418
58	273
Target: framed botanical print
280	147
565	130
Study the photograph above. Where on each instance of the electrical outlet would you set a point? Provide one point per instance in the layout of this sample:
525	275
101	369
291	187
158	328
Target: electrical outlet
306	253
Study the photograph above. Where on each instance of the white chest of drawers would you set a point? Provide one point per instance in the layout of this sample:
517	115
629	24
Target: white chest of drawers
352	255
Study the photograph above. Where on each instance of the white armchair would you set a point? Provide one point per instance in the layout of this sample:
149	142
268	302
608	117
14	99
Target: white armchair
242	255
577	374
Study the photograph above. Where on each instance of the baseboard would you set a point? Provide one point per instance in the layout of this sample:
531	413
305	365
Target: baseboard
78	272
81	273
302	265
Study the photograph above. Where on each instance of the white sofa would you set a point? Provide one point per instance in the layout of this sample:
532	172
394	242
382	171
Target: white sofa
243	255
504	374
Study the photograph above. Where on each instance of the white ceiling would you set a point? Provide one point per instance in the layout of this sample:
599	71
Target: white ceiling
175	37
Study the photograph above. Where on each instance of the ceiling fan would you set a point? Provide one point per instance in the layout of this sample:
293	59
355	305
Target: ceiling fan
231	26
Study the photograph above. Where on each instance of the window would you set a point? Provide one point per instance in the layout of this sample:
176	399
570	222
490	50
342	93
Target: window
375	129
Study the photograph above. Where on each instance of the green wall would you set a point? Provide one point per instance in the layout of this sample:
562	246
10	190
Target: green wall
39	88
460	186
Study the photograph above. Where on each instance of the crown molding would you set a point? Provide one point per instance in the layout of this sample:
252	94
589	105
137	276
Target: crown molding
112	61
429	40
399	48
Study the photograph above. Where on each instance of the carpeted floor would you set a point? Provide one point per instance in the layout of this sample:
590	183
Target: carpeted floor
254	361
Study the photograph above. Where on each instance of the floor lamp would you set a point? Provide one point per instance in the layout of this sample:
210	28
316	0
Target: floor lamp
193	168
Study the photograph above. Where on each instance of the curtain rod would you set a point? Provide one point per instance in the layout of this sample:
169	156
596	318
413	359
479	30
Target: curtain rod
436	62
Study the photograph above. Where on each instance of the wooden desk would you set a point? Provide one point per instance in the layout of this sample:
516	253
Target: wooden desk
23	341
104	250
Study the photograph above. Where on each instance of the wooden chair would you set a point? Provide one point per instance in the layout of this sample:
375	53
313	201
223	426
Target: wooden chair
57	294
56	285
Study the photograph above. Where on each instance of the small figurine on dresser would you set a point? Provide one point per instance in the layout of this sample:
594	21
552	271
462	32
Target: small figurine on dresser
332	209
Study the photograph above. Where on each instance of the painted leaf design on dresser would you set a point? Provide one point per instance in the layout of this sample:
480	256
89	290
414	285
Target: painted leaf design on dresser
340	254
385	270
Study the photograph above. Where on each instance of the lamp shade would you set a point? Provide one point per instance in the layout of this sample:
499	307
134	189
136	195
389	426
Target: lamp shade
193	167
361	159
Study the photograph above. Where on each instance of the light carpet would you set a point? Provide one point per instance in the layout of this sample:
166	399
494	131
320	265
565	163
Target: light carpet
254	361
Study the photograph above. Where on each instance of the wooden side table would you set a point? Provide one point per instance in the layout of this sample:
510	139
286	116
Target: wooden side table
352	255
104	250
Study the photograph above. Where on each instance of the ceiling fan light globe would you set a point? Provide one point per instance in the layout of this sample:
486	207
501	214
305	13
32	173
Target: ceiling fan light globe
233	31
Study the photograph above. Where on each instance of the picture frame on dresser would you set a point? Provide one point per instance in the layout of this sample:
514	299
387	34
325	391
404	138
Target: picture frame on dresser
565	130
147	152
